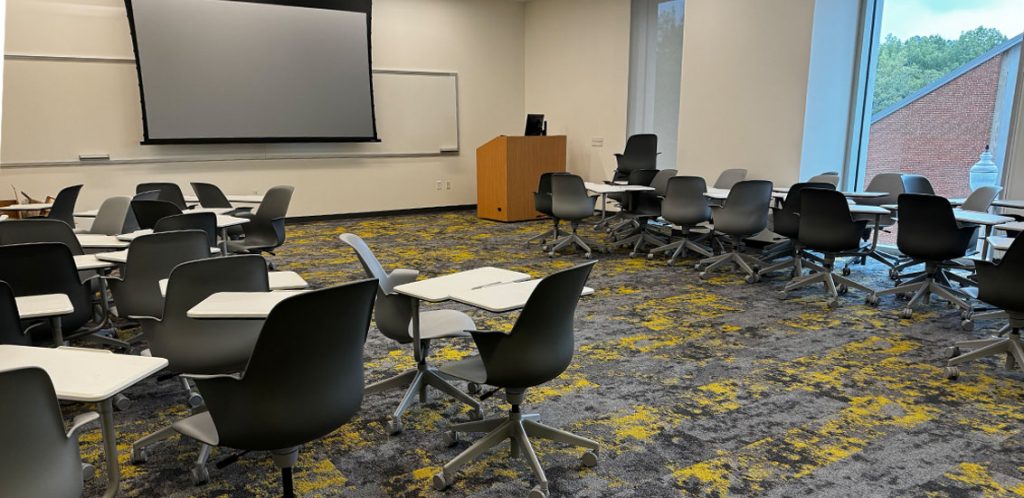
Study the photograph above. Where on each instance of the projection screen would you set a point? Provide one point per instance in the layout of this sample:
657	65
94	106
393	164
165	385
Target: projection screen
237	71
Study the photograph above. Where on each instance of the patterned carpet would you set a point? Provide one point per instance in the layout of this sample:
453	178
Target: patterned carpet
715	388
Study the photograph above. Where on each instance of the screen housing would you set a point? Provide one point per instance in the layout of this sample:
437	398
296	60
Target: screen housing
361	6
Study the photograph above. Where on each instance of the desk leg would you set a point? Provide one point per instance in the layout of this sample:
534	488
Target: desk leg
224	241
55	329
604	212
985	245
104	303
106	408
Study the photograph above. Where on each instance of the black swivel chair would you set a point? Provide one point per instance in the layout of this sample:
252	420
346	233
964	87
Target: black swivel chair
570	202
22	265
744	214
131	224
205	222
542	203
393	314
38	459
685	205
917	184
39	230
892	185
111	218
169	192
786	222
929	234
291	391
151	258
730	178
539	348
202	347
831	178
641	152
210	195
998	285
147	213
826	226
64	205
266	231
640	209
643	177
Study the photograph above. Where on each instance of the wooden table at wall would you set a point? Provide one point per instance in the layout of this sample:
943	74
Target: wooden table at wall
507	171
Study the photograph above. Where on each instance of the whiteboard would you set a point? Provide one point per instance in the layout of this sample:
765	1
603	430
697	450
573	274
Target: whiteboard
58	108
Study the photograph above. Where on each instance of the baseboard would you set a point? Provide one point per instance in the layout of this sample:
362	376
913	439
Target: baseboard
373	214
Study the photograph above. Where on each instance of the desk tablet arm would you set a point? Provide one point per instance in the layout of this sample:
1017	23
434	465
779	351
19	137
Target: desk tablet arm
81	423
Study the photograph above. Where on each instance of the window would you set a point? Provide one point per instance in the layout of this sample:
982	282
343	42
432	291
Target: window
940	82
656	58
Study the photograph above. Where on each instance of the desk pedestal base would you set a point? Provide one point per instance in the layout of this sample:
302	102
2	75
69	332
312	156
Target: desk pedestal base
418	380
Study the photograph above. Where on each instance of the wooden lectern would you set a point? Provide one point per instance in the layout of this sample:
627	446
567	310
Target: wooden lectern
507	171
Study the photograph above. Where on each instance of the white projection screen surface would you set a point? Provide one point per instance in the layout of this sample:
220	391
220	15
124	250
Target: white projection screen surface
230	71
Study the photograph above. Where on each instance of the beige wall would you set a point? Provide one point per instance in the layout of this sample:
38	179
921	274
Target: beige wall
577	74
482	40
744	87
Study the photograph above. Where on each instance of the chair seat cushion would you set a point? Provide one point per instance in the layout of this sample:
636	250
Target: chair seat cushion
444	323
470	368
199	427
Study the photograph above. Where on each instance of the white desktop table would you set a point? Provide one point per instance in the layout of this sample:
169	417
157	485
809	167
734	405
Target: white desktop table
1001	243
41	206
121	257
502	298
616	188
91	262
239	198
279	280
94	241
51	306
1011	226
1009	203
239	305
88	376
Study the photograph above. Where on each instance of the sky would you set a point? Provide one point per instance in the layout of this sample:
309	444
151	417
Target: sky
906	18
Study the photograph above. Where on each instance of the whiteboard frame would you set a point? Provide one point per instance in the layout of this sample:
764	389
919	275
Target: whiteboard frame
240	157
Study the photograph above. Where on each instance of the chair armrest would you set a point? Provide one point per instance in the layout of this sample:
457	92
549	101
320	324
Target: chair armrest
244	212
231	376
82	422
143	318
487	332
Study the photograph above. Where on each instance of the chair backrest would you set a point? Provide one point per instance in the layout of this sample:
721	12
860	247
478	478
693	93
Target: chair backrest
928	229
10	324
825	221
206	222
746	209
999	285
147	213
892	183
267	225
131	223
169	192
64	205
294	389
37	458
47	268
39	230
660	181
112	217
730	177
641	177
981	199
151	258
542	197
210	195
685	203
393	311
569	199
917	184
787	219
641	152
206	346
540	346
829	178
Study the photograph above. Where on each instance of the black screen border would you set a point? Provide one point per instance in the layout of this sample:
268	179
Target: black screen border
362	6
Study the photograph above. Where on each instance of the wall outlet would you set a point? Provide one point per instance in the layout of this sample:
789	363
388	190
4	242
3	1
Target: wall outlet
437	186
597	142
447	184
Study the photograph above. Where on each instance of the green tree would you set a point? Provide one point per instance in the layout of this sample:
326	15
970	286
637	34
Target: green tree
905	67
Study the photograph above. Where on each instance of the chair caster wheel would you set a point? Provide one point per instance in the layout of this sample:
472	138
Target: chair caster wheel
752	279
551	254
473	388
952	373
545	248
633	254
842	290
847	272
538	492
451	438
588	256
871	300
440	483
704	275
476	414
394	427
88	472
122	402
833	304
967	326
589	459
894	274
952	352
906	313
966	315
200	475
139	456
650	257
698	267
195	400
